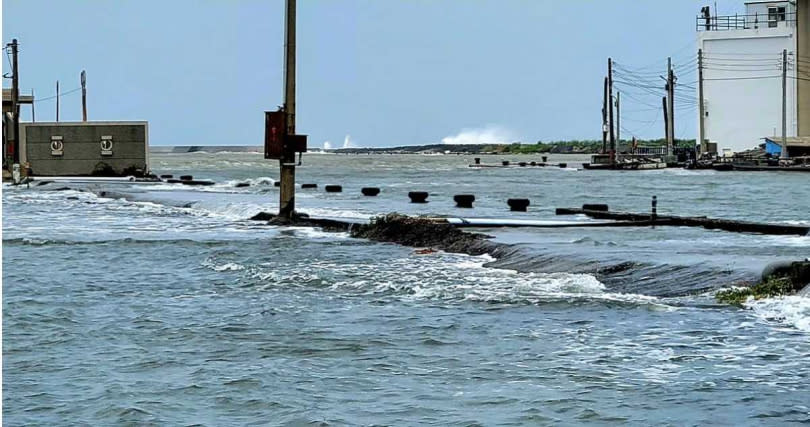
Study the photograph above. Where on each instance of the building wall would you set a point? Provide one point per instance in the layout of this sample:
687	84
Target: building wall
81	152
803	48
742	111
760	12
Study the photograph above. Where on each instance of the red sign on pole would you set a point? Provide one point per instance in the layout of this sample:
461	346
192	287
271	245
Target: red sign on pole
275	131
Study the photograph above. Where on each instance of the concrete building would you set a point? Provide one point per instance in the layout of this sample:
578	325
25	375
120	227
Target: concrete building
85	148
796	146
742	72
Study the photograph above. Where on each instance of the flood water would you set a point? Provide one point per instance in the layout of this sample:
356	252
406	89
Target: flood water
164	305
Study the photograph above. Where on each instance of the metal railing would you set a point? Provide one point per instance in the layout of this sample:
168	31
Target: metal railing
745	22
644	151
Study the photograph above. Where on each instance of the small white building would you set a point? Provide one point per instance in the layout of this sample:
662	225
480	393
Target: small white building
742	73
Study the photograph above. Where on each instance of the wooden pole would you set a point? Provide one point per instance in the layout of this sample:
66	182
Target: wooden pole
57	100
610	111
33	101
784	154
287	162
84	96
701	108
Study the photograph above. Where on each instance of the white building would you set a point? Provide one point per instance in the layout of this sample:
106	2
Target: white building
742	72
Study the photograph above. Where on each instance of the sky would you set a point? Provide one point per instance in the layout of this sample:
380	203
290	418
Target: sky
370	73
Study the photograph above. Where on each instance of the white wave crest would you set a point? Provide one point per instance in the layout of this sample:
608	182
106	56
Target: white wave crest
793	310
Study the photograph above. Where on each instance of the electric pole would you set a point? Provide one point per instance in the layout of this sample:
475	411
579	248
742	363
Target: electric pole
286	207
15	101
701	108
784	154
666	117
610	111
670	106
618	118
33	113
84	96
604	118
57	100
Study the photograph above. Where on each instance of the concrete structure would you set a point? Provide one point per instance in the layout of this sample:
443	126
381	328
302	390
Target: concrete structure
24	99
85	148
742	71
8	122
797	146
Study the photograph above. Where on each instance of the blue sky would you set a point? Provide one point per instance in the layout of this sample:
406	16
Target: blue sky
386	73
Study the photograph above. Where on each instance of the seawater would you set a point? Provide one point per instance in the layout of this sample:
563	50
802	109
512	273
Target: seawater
169	307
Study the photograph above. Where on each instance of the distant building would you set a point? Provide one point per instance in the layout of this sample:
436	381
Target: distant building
797	146
742	70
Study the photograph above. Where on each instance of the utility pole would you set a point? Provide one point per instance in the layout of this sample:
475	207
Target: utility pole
670	106
604	117
784	154
666	117
286	206
618	118
57	100
33	113
15	102
84	96
701	108
610	111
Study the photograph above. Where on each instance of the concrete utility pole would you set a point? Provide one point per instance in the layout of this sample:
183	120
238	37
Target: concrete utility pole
666	117
618	118
286	206
15	101
670	107
604	117
610	111
57	100
784	154
701	108
84	96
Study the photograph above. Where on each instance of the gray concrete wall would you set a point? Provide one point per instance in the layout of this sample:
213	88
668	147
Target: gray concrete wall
803	49
82	147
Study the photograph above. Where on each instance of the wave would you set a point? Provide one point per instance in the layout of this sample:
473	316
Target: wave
793	310
262	181
625	276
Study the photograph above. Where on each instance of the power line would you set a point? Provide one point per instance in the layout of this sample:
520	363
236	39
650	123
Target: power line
60	94
745	78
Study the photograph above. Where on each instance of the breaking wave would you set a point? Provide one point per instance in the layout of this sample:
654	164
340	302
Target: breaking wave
793	310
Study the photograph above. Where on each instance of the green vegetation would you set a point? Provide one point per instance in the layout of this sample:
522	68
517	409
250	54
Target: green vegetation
767	289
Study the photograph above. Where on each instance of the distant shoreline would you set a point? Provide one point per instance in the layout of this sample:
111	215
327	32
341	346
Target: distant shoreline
563	147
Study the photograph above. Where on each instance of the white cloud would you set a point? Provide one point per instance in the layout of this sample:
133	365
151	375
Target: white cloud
489	134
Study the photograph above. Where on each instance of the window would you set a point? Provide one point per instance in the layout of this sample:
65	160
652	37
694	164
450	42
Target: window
776	15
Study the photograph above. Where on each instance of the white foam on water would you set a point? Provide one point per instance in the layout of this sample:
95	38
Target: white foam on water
337	213
262	181
453	277
793	310
230	266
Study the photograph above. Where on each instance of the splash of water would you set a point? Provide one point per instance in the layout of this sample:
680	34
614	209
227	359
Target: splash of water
489	134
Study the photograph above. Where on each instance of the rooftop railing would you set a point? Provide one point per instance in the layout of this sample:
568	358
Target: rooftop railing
745	22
